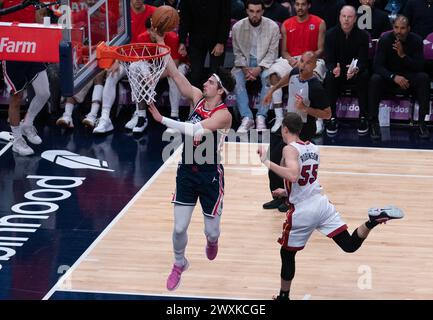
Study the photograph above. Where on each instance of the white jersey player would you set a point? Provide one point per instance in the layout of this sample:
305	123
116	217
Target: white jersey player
308	208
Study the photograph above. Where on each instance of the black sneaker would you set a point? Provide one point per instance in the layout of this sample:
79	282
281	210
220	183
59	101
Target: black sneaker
273	204
142	123
362	126
423	131
332	126
375	131
278	297
384	214
283	207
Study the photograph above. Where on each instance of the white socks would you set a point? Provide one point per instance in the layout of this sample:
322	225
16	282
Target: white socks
69	107
16	132
279	113
96	99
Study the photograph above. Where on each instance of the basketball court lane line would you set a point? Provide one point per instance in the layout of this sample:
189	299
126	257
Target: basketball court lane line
5	148
112	223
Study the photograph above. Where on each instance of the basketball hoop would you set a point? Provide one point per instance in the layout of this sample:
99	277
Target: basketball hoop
144	63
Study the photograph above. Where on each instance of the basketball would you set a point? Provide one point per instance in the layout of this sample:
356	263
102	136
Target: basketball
165	19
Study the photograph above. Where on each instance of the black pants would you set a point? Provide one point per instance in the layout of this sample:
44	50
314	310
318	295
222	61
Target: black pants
419	87
276	152
197	51
334	86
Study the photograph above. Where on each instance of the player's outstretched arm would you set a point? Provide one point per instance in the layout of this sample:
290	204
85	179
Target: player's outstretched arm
188	91
185	128
221	119
290	170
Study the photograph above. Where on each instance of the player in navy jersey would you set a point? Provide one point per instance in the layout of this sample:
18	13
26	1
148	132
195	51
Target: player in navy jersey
200	175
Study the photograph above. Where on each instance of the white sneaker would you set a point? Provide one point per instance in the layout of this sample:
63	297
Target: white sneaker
246	125
31	134
384	214
104	126
142	123
261	123
20	146
319	126
6	136
133	122
277	125
65	122
89	121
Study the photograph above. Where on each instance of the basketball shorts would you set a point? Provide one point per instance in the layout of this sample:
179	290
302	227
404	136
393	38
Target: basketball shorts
315	213
205	183
18	74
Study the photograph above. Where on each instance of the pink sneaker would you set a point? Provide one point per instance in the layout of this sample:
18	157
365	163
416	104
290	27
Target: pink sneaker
211	250
173	280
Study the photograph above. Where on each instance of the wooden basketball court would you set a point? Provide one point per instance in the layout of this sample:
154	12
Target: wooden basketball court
134	254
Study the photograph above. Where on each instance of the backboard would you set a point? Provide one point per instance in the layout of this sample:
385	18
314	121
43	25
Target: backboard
86	23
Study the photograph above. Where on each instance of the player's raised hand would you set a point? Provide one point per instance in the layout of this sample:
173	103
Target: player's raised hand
159	38
155	113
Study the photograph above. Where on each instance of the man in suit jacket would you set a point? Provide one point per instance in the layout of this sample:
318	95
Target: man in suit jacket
255	46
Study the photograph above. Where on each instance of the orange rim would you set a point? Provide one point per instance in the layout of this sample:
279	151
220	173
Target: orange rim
128	53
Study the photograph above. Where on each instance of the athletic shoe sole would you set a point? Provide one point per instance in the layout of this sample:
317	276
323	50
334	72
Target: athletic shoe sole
385	213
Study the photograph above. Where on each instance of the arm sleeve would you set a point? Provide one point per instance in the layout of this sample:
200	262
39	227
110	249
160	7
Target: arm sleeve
186	128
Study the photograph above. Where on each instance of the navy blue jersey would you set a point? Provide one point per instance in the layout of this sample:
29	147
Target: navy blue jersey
207	151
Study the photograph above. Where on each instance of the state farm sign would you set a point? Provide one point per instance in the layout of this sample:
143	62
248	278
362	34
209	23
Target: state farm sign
29	42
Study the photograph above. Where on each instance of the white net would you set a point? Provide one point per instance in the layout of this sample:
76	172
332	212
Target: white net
144	74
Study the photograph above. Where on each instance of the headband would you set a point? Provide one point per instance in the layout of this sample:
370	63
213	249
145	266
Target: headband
220	83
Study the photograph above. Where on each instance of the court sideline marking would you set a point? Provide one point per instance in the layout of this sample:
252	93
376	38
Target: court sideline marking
147	294
5	148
